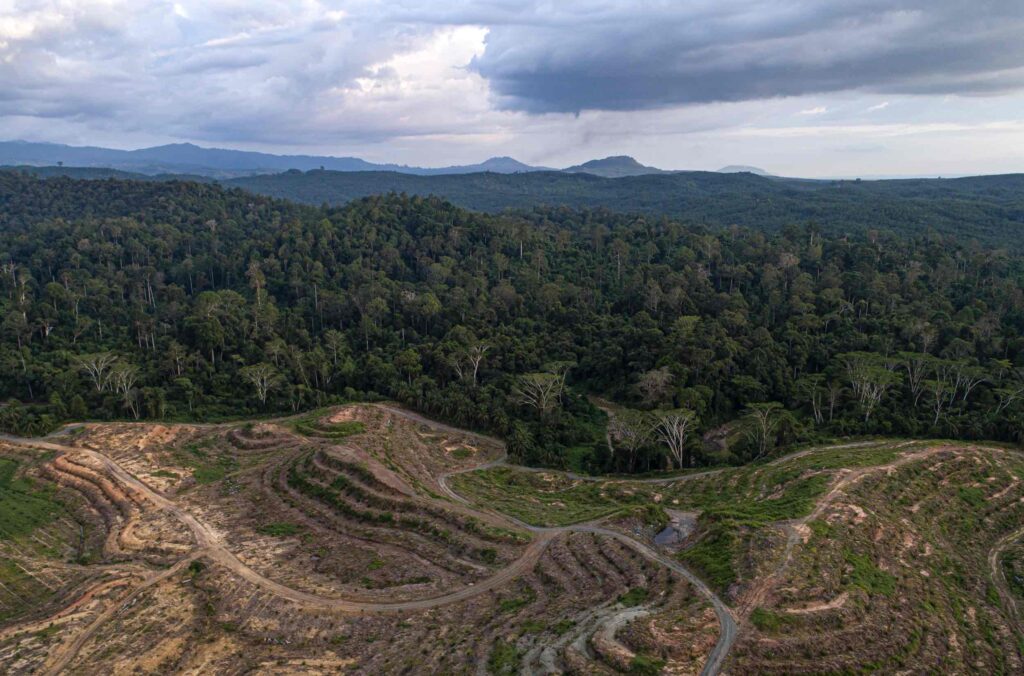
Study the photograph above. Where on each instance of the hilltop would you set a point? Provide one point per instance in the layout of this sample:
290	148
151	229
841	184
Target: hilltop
613	167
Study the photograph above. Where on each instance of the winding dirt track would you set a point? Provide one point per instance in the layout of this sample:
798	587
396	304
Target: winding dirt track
210	545
999	577
727	623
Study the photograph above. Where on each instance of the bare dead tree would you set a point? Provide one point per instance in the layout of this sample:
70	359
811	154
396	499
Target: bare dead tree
123	376
673	428
475	356
263	377
540	390
97	368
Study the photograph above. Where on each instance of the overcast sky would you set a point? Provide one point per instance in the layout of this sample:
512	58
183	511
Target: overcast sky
799	87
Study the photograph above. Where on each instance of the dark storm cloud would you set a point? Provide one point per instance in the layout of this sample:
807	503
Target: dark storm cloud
340	73
640	55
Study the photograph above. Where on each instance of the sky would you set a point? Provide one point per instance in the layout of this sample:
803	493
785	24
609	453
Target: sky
798	87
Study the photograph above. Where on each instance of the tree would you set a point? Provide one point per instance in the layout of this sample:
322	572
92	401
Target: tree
916	365
870	376
942	394
539	390
123	377
336	344
1010	382
763	423
475	355
466	361
543	391
629	431
673	428
655	386
97	368
408	362
812	390
258	282
263	377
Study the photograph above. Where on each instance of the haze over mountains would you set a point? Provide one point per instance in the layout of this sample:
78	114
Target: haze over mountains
187	158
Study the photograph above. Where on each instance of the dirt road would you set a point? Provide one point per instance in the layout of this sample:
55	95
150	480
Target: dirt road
208	544
999	578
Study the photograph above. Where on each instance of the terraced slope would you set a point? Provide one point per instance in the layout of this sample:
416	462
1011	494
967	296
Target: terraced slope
369	540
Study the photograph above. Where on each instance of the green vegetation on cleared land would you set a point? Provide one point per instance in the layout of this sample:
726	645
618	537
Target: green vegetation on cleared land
734	504
633	597
313	426
646	665
24	506
866	575
208	462
504	658
546	499
35	523
769	621
280	529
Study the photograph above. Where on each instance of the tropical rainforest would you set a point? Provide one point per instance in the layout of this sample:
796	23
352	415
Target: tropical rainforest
178	300
987	208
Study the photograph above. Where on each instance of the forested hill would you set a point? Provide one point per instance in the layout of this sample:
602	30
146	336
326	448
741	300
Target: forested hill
989	208
163	300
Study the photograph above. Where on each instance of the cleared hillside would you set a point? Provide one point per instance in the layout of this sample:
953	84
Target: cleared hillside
368	539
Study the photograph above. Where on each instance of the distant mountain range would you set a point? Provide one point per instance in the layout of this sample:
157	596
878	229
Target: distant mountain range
186	158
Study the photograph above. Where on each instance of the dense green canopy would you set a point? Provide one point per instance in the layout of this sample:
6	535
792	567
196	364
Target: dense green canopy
181	300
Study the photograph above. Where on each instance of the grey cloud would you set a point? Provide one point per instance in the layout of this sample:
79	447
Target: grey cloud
225	70
290	74
628	56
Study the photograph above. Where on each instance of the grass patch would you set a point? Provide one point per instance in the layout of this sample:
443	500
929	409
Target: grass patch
736	504
166	474
865	575
515	603
24	506
48	632
532	627
313	426
633	597
504	658
280	529
544	499
838	458
562	626
646	665
208	474
209	464
650	514
712	556
821	529
769	621
972	495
